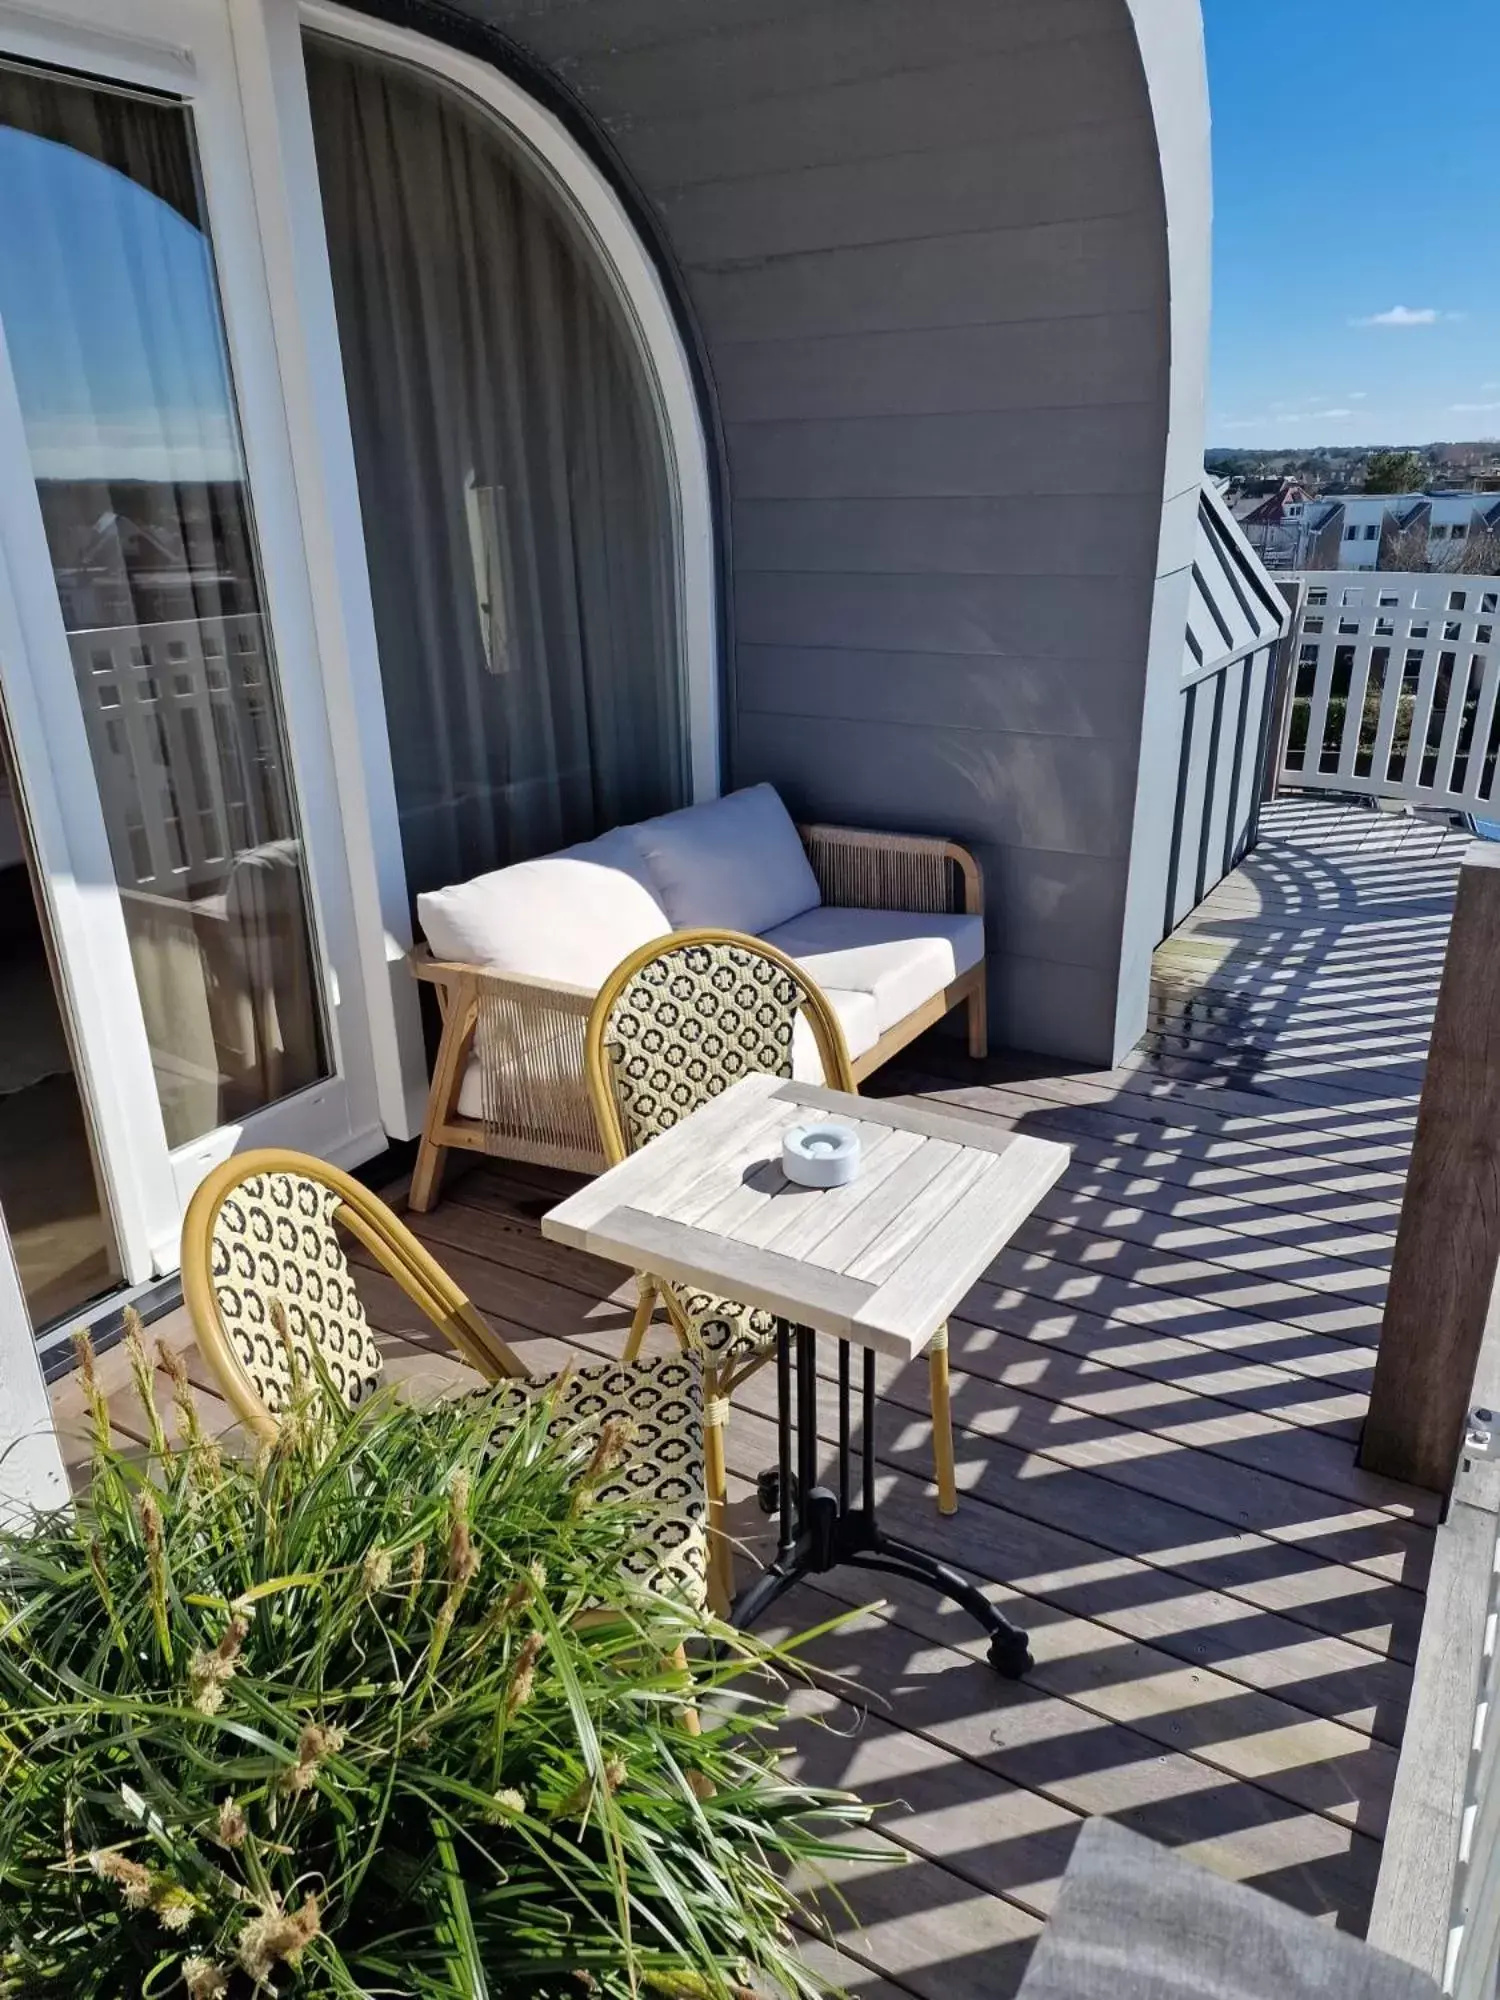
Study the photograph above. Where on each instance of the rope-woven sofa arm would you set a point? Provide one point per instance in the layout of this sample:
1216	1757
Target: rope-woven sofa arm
528	1035
893	871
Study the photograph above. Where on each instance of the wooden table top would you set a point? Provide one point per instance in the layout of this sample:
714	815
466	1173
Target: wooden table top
881	1262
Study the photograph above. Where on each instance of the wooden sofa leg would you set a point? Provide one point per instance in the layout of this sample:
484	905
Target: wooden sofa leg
979	1018
459	1016
426	1176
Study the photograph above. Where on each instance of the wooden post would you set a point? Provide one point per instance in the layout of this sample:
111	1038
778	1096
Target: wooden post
1448	1241
1279	695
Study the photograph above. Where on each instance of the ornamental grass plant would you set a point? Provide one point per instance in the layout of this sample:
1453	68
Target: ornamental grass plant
344	1718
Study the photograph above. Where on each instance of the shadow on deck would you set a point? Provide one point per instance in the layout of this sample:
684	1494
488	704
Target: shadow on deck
1158	1390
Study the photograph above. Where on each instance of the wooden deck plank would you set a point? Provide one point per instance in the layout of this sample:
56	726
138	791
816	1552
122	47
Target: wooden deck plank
1157	1390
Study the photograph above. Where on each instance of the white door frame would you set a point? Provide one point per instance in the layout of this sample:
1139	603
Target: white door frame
32	1473
183	47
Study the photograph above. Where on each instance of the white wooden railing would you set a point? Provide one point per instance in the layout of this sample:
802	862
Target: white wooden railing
1432	1419
1394	683
186	744
1437	1900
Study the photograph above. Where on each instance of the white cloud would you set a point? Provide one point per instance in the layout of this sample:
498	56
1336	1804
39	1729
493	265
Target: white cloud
1358	395
1473	409
1402	316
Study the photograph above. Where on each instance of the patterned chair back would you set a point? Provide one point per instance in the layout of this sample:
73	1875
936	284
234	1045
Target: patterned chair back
688	1015
263	1231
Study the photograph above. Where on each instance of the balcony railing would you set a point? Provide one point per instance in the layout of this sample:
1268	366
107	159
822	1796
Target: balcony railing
1394	689
1432	1420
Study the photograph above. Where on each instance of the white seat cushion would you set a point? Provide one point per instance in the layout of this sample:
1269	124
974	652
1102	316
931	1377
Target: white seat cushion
898	958
734	864
569	917
857	1018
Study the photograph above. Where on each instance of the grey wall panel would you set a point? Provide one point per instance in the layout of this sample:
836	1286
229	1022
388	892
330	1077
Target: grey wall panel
1218	784
953	102
1221	749
994	694
824	43
1020	536
1248	776
1086	362
1022	794
763	54
926	247
989	452
981	187
1038	1005
1172	55
1046	271
950	614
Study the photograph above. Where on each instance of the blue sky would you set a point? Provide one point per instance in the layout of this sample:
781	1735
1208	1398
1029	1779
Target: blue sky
111	316
1356	221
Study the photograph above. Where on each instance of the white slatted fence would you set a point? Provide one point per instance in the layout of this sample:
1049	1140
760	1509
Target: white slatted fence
1395	679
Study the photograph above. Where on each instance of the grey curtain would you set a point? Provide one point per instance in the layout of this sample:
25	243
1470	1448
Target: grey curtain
512	481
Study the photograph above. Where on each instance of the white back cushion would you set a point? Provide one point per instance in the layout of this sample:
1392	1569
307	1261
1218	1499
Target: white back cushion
734	864
569	917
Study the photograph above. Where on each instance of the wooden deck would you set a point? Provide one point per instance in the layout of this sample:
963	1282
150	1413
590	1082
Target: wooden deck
1157	1392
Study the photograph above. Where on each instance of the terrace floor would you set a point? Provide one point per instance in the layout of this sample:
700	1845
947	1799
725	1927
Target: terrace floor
1157	1392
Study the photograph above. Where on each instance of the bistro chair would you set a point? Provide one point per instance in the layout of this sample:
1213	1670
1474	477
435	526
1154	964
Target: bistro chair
674	1025
264	1231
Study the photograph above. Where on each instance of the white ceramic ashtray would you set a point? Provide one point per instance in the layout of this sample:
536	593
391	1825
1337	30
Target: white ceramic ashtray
820	1156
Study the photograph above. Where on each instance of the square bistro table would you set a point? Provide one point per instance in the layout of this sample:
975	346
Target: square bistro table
877	1265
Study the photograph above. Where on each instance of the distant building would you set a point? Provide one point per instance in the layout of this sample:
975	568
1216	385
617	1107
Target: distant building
1280	528
1415	532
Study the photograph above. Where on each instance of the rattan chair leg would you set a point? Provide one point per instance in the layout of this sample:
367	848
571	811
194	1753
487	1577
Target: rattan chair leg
715	1478
641	1319
942	1422
677	1660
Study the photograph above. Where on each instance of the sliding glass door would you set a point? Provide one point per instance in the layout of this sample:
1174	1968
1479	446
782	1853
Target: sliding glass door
111	315
161	610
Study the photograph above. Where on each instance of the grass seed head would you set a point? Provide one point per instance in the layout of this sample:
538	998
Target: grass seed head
132	1880
276	1937
523	1674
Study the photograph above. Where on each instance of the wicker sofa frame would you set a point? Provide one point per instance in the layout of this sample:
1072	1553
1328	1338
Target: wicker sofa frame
535	1101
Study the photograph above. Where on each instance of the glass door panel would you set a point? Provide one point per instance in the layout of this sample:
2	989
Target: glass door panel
110	308
51	1193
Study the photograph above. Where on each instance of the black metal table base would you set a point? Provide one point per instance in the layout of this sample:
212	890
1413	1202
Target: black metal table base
822	1528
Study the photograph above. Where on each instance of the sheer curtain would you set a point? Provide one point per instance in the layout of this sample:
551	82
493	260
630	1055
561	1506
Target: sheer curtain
516	505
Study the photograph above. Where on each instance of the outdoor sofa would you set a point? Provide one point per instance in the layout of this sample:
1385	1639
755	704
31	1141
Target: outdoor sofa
889	925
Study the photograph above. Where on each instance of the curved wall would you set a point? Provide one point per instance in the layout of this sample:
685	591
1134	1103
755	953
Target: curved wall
938	253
